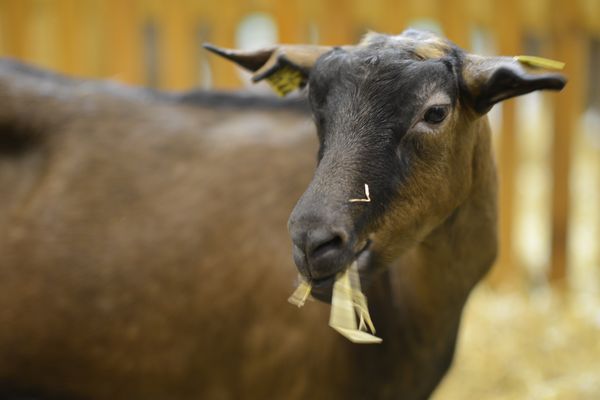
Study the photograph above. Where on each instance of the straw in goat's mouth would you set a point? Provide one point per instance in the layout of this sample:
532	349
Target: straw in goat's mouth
348	302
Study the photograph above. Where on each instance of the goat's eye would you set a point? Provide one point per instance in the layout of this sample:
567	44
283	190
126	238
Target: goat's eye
435	114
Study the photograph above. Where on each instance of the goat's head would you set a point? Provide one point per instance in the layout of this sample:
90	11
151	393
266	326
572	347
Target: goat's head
400	114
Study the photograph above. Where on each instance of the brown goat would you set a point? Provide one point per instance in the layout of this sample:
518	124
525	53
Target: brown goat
143	250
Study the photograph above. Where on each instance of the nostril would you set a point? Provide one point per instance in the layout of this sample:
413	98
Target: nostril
332	244
323	241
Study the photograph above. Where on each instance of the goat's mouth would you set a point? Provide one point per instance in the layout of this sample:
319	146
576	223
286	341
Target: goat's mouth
322	288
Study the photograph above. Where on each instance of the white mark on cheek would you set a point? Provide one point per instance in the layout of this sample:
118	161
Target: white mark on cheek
367	198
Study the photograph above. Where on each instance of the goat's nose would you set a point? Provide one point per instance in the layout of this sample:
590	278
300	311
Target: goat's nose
321	241
320	251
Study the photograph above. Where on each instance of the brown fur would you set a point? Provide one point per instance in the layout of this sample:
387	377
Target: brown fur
144	254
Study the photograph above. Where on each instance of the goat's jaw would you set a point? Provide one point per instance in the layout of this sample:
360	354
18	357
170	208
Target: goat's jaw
322	288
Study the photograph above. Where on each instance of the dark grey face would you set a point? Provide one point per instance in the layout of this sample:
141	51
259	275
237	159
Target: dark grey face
383	114
401	114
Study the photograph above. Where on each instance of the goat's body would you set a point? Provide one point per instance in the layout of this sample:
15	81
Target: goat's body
144	254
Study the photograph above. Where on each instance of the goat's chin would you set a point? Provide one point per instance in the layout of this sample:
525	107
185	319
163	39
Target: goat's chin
322	289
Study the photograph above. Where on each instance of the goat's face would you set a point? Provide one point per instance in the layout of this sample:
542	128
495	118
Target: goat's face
389	119
399	114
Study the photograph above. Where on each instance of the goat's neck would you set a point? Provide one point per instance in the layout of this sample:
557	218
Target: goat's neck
456	254
422	298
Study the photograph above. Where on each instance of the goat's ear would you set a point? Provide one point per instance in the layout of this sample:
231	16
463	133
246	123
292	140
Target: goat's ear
285	68
490	80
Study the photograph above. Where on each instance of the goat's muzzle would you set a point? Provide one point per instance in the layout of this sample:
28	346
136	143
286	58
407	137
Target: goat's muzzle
322	246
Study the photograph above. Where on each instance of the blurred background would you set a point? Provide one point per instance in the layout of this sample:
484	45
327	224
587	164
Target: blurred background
532	330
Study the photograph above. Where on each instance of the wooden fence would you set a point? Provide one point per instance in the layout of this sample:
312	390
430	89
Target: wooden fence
158	43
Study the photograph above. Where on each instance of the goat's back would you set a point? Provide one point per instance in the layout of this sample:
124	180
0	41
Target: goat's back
143	243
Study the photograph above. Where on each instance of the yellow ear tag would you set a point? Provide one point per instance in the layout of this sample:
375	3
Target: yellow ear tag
540	62
285	80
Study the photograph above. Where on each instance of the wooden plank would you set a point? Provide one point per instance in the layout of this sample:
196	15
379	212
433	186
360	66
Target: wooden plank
507	271
369	15
590	16
68	35
425	9
3	27
335	22
384	16
41	35
201	12
178	46
79	37
14	27
222	33
91	42
310	10
480	13
292	24
123	41
453	17
396	16
570	47
536	15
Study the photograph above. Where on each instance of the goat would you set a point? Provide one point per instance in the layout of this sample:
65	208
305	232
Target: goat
404	115
143	251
